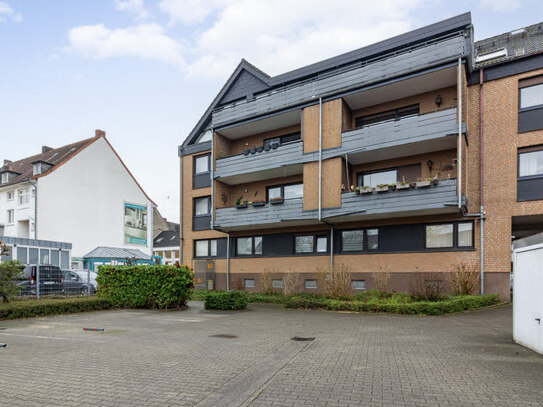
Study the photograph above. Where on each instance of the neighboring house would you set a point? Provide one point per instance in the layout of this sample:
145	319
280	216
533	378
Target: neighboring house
81	193
166	245
159	223
401	117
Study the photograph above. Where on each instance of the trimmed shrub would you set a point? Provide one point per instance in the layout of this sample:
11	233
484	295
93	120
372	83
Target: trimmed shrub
226	300
146	286
40	308
9	272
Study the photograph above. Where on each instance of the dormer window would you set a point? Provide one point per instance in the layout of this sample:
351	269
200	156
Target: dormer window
7	176
39	167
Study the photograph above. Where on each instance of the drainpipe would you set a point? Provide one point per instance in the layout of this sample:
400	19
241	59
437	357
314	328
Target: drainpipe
180	207
459	86
347	172
481	177
320	158
331	251
228	261
212	162
35	185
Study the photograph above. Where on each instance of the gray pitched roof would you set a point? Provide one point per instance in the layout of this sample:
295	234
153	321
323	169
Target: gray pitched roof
517	44
103	252
166	238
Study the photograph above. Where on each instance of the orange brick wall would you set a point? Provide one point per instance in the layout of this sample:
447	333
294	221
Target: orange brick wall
332	171
331	125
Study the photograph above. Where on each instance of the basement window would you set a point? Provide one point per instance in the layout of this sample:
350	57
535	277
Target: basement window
358	284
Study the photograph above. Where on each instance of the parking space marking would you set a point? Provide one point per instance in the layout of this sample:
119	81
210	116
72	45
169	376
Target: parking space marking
53	337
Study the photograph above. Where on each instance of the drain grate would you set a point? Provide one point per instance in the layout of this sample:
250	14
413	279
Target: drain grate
302	339
227	336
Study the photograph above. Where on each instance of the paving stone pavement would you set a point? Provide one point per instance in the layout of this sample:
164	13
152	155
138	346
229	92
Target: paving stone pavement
148	358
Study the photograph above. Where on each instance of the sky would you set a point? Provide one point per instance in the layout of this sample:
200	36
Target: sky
145	71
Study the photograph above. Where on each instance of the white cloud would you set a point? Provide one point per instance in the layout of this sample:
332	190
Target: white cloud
500	6
7	13
135	7
147	41
275	35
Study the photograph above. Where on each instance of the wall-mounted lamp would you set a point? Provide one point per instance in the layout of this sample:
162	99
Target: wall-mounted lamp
430	164
439	100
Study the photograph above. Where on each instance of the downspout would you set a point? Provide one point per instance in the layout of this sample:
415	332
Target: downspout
212	162
347	172
320	158
459	86
331	251
228	261
180	206
481	177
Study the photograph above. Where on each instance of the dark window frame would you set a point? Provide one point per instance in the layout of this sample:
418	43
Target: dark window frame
208	164
282	186
209	256
533	81
365	245
391	114
455	245
525	150
253	254
208	206
315	236
360	174
284	138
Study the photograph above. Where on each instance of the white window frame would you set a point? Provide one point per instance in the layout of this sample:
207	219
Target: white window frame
10	216
23	195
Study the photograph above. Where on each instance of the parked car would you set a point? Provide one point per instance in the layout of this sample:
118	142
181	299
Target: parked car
73	284
85	274
50	277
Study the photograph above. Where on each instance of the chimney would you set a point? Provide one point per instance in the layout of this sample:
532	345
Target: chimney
99	133
45	149
7	162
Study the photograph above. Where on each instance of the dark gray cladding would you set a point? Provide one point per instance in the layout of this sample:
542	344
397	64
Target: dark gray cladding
346	78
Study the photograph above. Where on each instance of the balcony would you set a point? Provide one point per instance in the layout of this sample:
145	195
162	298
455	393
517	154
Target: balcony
283	161
413	135
290	213
355	76
436	199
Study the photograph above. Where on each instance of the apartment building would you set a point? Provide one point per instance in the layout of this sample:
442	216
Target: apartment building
81	194
369	160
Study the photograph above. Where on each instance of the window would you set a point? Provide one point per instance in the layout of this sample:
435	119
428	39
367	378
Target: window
438	236
311	244
358	284
10	196
201	164
373	239
249	283
288	191
465	234
377	178
247	246
395	114
202	206
530	163
277	283
311	284
36	168
203	248
352	240
24	196
531	96
11	216
287	138
205	136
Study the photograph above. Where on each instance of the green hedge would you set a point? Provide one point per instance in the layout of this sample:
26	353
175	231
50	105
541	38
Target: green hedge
447	306
40	308
226	300
149	286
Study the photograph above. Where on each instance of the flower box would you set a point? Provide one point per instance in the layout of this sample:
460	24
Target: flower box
246	151
401	186
423	184
277	201
381	188
366	190
435	181
258	203
241	205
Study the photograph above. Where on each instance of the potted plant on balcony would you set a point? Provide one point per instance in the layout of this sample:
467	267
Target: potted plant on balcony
435	180
392	186
365	189
259	149
241	203
277	201
381	188
267	147
258	203
253	150
424	183
402	185
246	151
274	144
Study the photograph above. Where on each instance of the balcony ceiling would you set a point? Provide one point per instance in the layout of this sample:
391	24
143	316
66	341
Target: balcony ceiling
263	125
427	82
280	172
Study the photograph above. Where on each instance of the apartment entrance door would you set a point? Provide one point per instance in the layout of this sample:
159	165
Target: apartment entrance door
204	274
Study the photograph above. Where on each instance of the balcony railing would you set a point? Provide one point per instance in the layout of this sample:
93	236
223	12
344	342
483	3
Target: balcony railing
265	216
238	165
352	77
